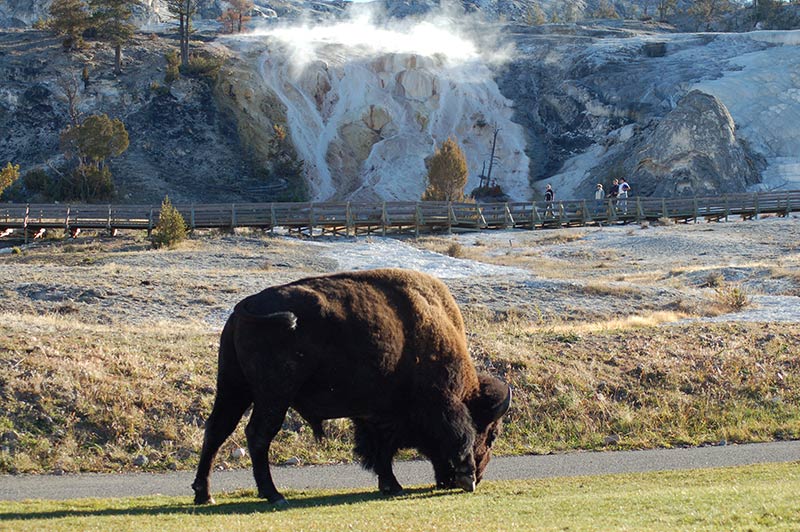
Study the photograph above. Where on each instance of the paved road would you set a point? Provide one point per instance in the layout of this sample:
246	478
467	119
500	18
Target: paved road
408	473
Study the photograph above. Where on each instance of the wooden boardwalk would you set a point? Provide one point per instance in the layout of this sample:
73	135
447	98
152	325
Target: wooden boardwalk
354	218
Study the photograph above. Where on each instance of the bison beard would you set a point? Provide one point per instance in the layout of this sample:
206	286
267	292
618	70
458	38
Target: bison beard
385	348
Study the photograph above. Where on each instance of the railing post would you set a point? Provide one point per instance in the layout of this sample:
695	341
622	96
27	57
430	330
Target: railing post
451	216
639	210
150	223
727	208
418	219
508	219
311	221
66	220
25	221
480	219
233	216
664	213
696	210
348	220
191	217
108	221
757	206
272	220
584	213
384	219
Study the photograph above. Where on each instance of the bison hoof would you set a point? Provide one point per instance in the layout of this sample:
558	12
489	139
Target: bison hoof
280	503
390	488
276	499
465	482
203	499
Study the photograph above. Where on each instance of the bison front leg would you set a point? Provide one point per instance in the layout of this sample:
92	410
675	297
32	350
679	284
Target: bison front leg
376	450
264	424
450	437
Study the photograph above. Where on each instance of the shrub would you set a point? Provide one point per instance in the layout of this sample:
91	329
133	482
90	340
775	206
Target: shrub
732	296
86	183
37	180
8	176
714	280
455	250
171	227
203	67
173	71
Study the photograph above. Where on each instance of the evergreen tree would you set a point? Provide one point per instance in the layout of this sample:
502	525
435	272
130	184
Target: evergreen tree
69	19
8	176
111	18
534	16
242	9
171	227
92	142
234	18
605	9
447	173
183	11
709	11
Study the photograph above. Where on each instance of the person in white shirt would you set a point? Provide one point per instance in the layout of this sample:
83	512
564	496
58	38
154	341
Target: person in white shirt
622	195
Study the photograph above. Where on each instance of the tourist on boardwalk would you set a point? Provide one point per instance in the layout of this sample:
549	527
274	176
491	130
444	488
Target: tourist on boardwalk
549	196
622	194
612	196
599	196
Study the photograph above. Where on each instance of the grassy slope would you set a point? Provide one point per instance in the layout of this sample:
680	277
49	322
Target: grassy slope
742	498
79	397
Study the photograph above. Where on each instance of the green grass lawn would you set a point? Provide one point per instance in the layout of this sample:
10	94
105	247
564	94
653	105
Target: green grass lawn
763	497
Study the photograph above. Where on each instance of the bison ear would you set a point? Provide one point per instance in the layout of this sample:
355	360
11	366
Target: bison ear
492	401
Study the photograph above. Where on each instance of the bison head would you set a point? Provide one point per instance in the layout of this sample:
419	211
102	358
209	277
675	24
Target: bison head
487	409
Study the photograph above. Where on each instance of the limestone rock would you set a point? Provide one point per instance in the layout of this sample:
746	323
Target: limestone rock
693	151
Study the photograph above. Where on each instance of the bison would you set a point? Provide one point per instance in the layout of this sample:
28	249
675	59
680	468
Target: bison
385	348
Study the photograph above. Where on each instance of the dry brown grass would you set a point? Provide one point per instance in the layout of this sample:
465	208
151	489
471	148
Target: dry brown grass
78	397
588	386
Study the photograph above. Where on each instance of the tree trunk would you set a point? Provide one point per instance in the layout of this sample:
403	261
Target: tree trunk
184	40
118	59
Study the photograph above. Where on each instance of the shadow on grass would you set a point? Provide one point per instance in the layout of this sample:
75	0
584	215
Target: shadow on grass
227	506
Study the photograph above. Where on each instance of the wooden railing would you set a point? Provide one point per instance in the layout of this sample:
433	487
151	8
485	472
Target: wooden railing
353	218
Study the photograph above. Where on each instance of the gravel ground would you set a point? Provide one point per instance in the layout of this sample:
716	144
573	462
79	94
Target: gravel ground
577	273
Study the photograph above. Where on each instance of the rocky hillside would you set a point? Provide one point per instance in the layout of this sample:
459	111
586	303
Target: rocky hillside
182	143
575	104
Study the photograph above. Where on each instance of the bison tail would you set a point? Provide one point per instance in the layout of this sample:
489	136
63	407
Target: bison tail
285	320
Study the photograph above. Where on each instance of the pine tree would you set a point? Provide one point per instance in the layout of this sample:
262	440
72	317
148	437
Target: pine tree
171	227
92	142
183	11
241	8
447	173
111	18
534	16
605	9
8	176
69	19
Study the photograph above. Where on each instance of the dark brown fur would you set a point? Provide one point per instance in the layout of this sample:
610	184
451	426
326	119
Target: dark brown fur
385	348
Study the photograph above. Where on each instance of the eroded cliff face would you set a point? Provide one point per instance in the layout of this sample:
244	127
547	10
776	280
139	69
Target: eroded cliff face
181	143
602	102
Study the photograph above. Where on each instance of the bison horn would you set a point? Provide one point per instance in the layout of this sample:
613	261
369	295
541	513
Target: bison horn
492	402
